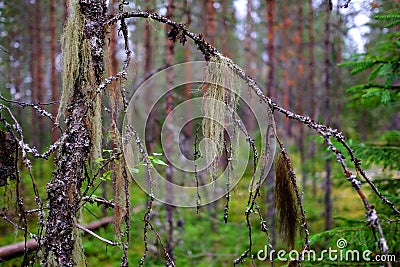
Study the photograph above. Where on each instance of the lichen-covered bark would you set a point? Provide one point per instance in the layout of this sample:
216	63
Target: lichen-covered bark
64	190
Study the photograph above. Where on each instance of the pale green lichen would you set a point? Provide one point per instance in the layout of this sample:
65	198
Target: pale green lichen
71	46
78	71
219	104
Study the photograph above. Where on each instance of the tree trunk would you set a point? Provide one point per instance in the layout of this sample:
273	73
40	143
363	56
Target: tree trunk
285	69
148	65
270	181
169	45
114	93
249	62
211	22
310	89
271	48
225	28
62	241
327	115
32	68
188	140
39	68
339	69
53	70
300	90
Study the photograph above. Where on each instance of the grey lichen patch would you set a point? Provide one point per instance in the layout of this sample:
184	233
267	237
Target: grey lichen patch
219	104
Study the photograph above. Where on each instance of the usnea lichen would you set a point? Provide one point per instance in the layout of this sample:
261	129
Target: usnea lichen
78	72
71	45
219	104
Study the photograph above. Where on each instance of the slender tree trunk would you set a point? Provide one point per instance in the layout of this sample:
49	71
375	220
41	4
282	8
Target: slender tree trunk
311	87
339	75
53	70
148	65
210	28
188	140
327	115
32	68
112	69
250	61
300	90
285	61
169	45
211	23
61	245
270	91
225	28
271	48
40	68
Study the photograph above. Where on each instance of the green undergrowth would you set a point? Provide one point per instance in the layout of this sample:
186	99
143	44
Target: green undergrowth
201	240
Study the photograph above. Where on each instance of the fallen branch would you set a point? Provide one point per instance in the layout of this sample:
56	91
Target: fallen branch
15	250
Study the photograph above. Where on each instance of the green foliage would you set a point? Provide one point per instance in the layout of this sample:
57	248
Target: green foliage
395	17
382	62
386	152
380	94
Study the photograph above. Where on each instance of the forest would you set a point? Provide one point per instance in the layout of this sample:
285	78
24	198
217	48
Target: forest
199	133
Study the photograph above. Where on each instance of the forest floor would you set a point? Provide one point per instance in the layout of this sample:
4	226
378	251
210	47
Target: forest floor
201	239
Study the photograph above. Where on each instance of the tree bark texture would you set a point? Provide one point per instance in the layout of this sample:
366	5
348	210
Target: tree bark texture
64	189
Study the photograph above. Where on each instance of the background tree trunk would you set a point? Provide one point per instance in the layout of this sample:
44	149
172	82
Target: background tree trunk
327	114
53	70
32	68
271	48
310	90
300	89
39	68
271	92
169	58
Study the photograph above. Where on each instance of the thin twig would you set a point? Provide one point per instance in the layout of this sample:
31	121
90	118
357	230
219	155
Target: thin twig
112	243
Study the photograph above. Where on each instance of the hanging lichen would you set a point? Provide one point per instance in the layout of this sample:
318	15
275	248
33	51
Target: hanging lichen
285	200
78	71
219	104
71	49
114	137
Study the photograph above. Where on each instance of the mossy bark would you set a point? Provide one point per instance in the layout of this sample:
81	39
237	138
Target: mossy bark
62	241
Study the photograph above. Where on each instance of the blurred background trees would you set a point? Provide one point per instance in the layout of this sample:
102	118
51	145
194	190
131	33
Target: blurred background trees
292	47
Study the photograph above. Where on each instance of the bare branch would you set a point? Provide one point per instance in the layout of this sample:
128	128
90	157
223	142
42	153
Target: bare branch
112	243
